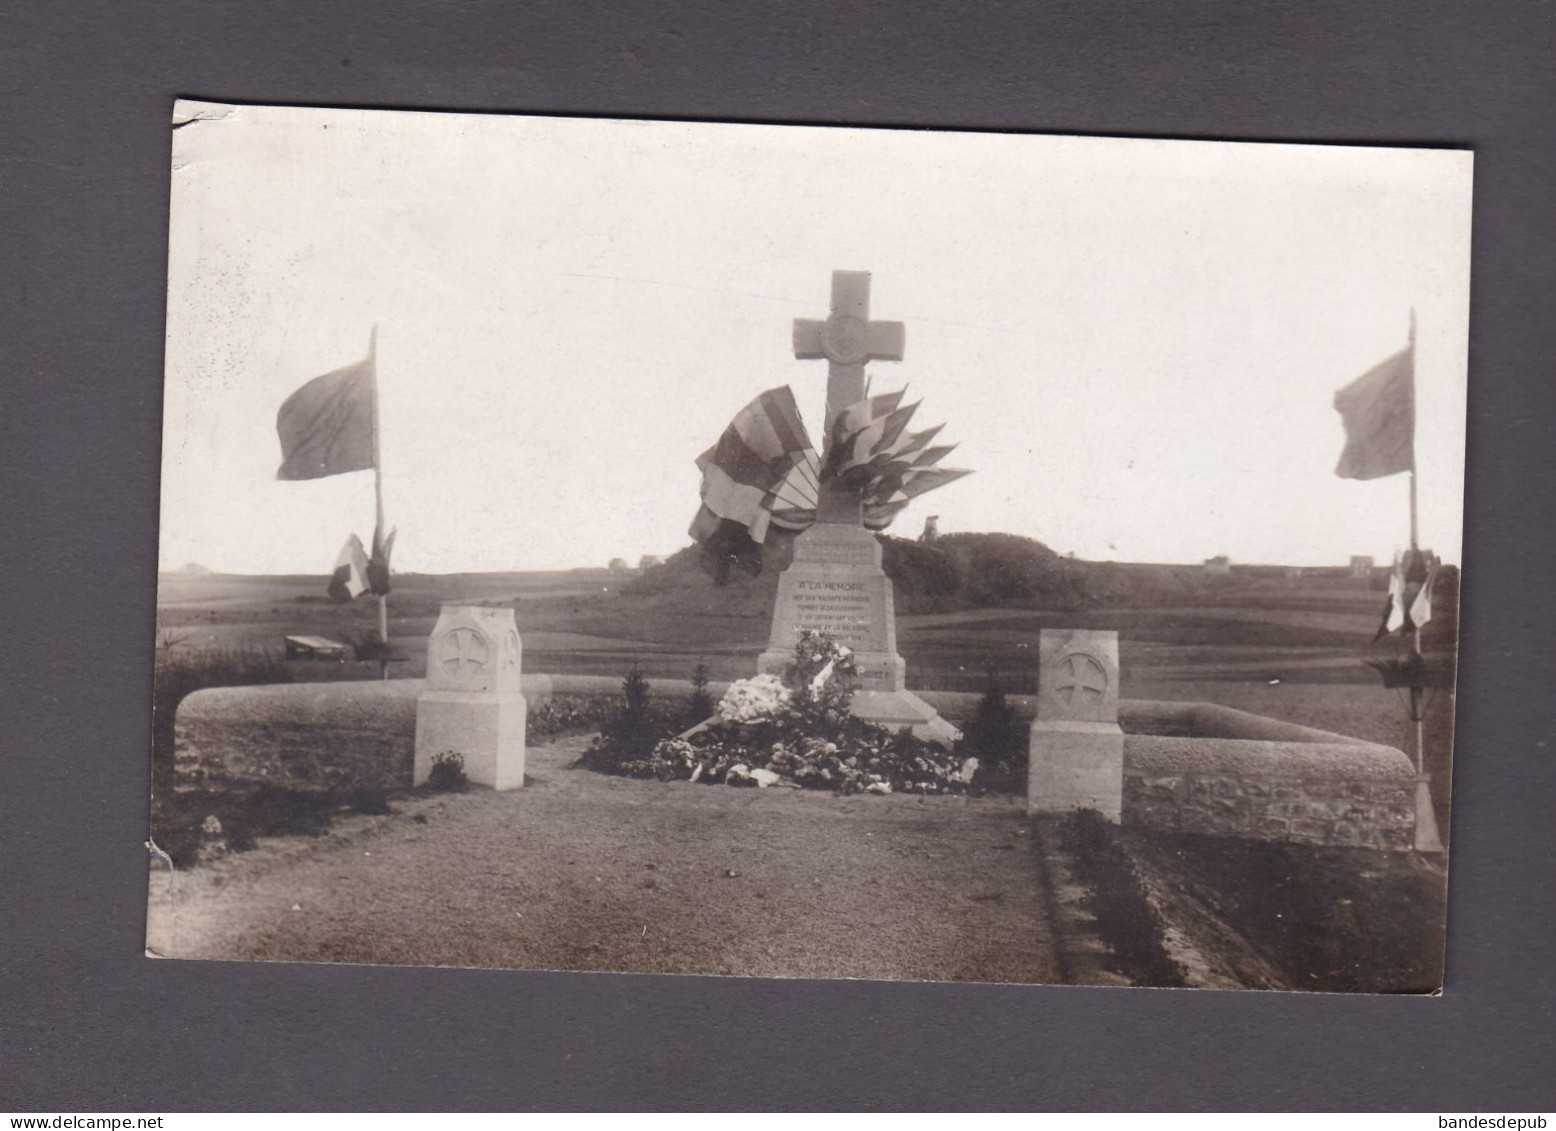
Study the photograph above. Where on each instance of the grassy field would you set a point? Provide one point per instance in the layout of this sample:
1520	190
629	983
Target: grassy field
587	621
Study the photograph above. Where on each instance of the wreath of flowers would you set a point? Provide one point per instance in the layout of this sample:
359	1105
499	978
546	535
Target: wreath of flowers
796	730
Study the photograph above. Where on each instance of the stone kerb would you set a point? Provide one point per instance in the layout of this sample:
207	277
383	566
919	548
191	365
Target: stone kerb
473	704
1187	766
304	734
1075	755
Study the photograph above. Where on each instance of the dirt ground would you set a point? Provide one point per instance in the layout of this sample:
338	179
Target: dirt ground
579	871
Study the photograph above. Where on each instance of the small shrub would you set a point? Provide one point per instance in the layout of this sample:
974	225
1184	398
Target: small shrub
996	737
448	773
634	731
699	705
636	693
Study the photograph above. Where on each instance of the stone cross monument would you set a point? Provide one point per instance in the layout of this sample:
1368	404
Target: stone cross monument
473	705
1075	759
835	583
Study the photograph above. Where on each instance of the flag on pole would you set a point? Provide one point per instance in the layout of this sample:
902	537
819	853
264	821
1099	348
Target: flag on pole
1395	615
745	472
873	452
883	503
377	572
1421	607
764	472
861	430
326	427
349	579
795	500
1378	410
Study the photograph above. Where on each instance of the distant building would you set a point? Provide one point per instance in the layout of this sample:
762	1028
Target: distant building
1220	564
931	530
1361	565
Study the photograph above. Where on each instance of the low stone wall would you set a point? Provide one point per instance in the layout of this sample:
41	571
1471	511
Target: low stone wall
1188	767
1331	792
357	733
363	732
298	735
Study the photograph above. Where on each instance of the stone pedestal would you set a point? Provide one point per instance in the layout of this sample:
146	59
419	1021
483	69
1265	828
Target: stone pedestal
473	705
836	585
1076	751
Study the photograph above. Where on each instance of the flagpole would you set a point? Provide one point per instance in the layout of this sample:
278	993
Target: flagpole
1416	689
1414	538
1426	838
378	506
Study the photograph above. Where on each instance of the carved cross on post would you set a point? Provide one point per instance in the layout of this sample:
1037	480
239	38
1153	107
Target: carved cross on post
847	339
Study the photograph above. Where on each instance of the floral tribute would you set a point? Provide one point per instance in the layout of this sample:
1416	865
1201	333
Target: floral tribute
796	731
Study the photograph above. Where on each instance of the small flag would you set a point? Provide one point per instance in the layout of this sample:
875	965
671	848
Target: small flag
745	472
921	480
863	430
794	502
350	577
1395	617
1421	607
764	472
326	427
873	452
1379	414
881	506
378	564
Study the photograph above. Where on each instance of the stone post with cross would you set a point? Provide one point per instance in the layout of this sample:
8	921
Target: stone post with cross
473	706
835	583
1075	756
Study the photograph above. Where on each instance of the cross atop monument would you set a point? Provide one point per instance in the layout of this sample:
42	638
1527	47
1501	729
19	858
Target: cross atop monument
847	339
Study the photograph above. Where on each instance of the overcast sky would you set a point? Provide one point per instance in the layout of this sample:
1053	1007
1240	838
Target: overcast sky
1136	343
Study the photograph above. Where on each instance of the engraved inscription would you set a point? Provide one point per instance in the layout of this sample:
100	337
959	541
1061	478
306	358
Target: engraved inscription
841	609
835	555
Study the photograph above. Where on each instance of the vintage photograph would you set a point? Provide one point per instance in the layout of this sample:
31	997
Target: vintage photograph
808	552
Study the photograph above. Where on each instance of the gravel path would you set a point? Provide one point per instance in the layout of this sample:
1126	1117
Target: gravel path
579	871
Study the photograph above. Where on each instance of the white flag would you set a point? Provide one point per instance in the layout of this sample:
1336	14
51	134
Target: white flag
350	577
1396	614
1421	607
